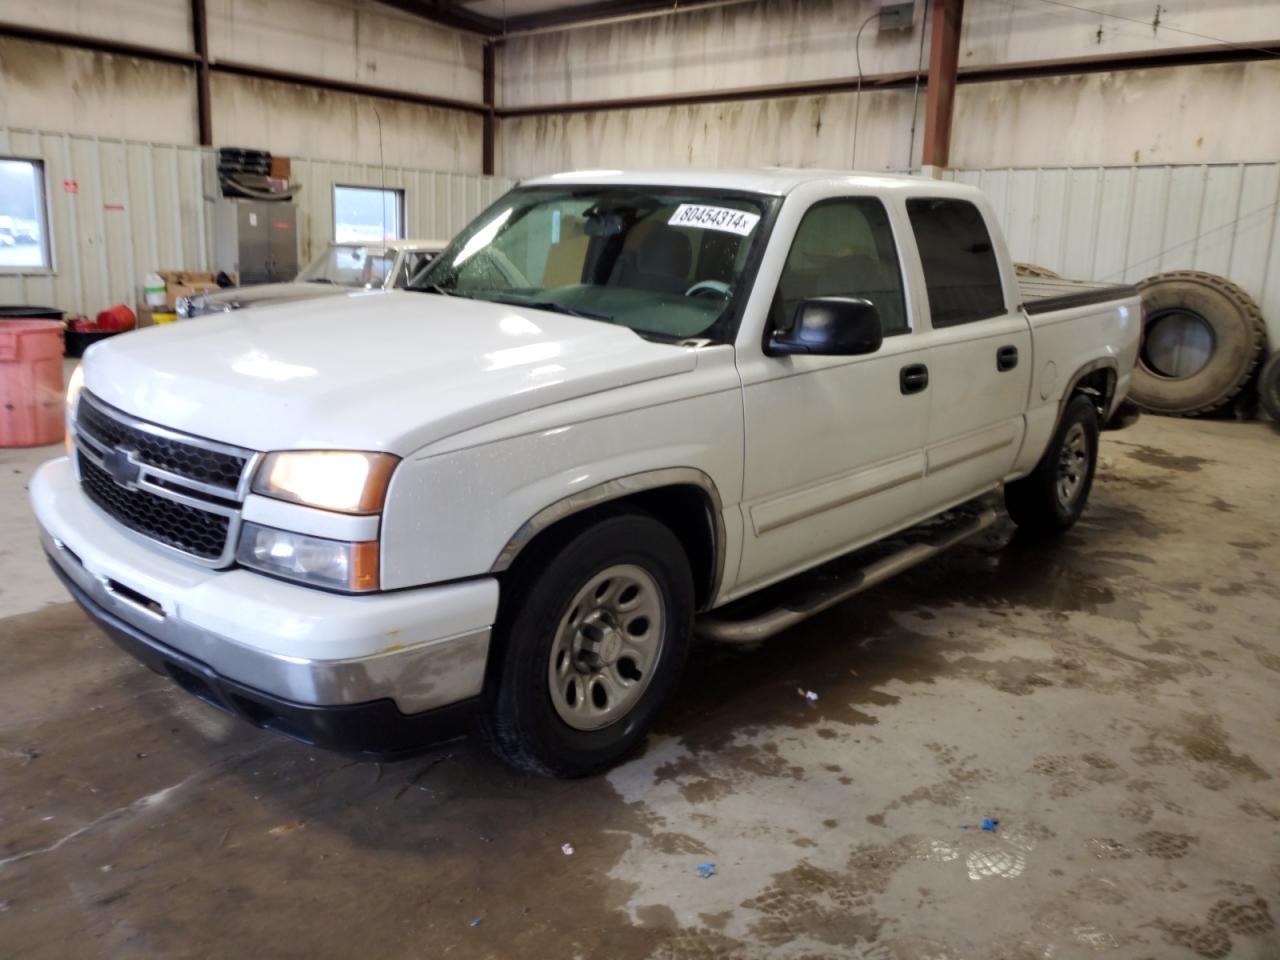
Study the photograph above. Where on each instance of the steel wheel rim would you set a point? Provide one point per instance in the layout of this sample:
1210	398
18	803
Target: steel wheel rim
606	647
1073	465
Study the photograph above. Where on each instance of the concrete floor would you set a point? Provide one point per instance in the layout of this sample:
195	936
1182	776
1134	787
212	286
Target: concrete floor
1112	700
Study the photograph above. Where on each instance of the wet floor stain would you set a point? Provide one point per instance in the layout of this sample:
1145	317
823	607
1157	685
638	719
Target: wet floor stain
1156	457
1108	699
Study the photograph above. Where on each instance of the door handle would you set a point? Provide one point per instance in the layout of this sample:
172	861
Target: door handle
1006	358
913	378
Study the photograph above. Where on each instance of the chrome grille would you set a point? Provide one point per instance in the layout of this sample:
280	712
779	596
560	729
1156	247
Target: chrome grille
180	492
166	451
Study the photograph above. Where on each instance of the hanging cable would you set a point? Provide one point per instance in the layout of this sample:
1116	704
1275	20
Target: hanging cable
857	95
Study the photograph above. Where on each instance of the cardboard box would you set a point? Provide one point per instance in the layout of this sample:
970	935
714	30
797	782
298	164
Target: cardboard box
185	283
280	167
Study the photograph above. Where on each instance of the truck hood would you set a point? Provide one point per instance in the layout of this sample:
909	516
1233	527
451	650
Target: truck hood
263	293
372	370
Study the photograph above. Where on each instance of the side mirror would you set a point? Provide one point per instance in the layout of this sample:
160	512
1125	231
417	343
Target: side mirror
830	326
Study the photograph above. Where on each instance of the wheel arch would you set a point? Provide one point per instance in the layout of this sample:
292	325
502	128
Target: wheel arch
1097	378
684	498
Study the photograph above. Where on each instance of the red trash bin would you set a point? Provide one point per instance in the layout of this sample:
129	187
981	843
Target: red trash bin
31	389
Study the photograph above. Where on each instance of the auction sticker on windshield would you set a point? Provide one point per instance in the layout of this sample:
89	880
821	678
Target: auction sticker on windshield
706	217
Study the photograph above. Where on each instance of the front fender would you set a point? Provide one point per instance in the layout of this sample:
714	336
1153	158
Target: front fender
469	511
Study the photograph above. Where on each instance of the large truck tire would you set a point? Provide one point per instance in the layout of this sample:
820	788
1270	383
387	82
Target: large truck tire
1269	388
1203	337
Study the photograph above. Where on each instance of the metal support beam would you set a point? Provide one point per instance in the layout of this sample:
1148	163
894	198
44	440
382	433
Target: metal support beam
490	118
204	100
447	14
344	86
944	56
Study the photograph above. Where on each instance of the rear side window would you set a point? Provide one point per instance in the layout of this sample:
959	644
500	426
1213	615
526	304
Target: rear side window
844	248
960	268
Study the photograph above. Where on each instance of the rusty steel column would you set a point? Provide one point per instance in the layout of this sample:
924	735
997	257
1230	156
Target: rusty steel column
944	55
490	119
200	38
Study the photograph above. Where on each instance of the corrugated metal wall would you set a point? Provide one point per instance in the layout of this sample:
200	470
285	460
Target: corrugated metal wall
119	209
1130	222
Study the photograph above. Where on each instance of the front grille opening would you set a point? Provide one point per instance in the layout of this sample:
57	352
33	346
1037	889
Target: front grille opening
133	596
197	532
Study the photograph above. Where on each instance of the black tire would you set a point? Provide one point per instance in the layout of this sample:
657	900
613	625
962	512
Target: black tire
1208	308
519	719
1269	388
1036	502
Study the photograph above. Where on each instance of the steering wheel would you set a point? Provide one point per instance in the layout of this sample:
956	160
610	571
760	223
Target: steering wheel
709	288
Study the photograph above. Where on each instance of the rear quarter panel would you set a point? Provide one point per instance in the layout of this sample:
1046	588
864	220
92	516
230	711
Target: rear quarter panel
1066	344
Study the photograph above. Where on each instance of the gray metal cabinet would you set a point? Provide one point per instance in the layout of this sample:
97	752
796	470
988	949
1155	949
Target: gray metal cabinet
256	240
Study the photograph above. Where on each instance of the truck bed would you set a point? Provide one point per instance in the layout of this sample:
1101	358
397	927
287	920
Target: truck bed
1043	295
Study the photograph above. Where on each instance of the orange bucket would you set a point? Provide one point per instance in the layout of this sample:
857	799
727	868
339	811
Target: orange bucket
31	389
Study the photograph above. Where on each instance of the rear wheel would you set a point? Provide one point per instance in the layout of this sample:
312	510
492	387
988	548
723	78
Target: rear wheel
592	637
1051	498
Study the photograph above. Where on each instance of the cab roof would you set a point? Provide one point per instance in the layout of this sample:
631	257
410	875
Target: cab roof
773	181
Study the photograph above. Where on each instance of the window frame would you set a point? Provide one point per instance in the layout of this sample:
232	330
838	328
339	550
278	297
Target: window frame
402	233
924	273
47	265
898	250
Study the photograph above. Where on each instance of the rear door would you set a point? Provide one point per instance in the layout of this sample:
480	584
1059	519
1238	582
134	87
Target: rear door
979	355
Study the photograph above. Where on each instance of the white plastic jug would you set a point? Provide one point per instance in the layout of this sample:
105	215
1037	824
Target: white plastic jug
153	285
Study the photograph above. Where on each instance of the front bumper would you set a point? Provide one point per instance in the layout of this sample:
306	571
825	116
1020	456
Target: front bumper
301	652
376	728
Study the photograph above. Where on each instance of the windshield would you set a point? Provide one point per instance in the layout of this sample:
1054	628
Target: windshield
349	266
667	263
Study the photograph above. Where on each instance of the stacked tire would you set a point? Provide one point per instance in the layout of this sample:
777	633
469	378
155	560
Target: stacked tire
1203	338
1269	388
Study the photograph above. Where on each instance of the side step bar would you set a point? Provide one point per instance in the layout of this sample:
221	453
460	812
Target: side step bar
817	591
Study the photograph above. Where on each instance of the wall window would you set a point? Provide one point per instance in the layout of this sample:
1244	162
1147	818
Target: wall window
24	226
960	268
367	214
844	248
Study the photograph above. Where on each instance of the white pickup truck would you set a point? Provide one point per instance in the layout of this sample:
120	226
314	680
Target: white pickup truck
616	404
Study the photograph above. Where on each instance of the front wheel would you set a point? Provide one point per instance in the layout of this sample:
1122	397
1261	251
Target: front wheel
591	640
1051	498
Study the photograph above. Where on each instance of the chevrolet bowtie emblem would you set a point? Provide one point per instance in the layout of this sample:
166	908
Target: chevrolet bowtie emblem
122	467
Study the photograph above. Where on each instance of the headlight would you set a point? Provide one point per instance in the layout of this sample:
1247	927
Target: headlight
74	386
345	481
312	560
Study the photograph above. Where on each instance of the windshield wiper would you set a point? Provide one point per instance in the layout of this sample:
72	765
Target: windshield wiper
436	288
554	306
322	280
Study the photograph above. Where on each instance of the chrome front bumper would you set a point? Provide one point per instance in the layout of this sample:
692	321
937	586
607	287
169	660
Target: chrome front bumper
422	649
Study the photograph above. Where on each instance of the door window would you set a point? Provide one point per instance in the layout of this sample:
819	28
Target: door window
844	248
960	268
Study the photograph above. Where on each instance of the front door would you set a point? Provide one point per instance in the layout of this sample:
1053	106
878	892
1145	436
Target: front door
834	445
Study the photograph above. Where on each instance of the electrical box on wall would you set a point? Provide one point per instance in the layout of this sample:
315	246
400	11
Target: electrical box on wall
897	16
